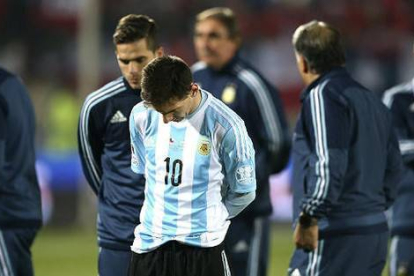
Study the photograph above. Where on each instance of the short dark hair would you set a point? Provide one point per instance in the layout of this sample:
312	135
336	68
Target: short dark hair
321	46
225	16
134	27
165	79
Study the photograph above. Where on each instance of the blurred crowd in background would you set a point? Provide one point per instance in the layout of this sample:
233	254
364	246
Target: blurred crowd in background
63	50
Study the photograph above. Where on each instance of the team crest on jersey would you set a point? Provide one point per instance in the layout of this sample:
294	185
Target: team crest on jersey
204	146
229	93
245	174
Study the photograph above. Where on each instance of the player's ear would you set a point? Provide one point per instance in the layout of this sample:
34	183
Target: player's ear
159	52
194	89
303	65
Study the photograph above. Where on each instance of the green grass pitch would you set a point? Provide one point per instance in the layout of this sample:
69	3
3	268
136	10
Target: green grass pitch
74	252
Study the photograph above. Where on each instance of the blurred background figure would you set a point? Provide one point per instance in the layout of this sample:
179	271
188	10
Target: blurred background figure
229	77
400	100
105	146
20	204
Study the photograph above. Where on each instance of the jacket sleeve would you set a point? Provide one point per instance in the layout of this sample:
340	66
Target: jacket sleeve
90	141
405	133
393	172
237	153
3	131
328	128
401	143
267	124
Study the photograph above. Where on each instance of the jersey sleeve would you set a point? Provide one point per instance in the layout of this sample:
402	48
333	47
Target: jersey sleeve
239	162
239	166
327	122
137	144
90	133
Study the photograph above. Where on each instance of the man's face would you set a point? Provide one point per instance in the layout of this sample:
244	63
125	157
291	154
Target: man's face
213	44
132	58
175	110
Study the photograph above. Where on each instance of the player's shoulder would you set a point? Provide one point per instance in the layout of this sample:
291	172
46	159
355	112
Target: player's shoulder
401	91
107	91
198	67
223	114
140	107
5	74
251	78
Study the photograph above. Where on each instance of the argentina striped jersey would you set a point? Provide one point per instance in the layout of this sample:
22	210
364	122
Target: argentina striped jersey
189	168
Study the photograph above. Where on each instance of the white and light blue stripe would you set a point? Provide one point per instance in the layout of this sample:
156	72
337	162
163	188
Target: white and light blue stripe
321	147
5	264
314	259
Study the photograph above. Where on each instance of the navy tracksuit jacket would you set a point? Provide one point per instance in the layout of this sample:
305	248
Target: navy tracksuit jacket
20	205
346	160
105	151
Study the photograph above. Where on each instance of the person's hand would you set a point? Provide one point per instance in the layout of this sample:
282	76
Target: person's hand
306	237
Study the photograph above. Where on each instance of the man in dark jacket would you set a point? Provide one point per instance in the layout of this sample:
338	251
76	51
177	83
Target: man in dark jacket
20	206
346	164
228	77
105	147
400	100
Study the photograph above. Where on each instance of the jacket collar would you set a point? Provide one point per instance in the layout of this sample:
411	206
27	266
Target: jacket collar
337	71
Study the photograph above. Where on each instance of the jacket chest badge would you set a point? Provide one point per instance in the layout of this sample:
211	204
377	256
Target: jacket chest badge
118	117
229	93
204	146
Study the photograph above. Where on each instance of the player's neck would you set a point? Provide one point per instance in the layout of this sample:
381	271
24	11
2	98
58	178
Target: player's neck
196	102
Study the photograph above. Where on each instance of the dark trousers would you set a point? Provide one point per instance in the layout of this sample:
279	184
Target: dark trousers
177	259
402	256
345	255
247	243
15	254
113	262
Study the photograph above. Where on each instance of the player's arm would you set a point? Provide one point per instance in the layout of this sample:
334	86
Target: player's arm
401	121
237	153
328	125
401	139
3	130
137	141
90	144
267	123
393	171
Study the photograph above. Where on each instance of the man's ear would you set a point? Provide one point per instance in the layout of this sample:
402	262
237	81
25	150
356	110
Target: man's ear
159	52
194	89
302	64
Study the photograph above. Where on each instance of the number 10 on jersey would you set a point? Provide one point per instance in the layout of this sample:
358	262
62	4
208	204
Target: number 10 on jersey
176	168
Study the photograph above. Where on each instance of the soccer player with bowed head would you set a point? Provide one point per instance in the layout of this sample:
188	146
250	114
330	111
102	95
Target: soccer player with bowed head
199	167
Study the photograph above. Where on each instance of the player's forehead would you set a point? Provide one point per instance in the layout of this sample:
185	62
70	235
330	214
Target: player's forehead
170	106
133	49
